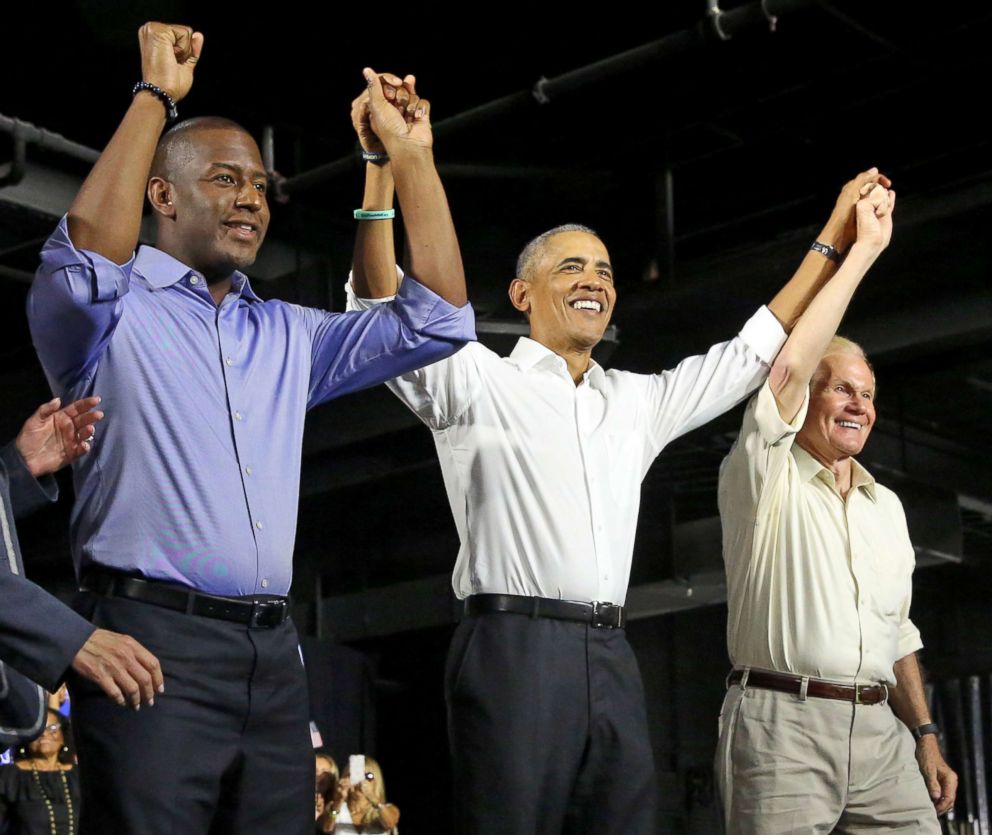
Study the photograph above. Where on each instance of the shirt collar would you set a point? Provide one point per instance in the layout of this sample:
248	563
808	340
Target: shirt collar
809	468
529	354
161	270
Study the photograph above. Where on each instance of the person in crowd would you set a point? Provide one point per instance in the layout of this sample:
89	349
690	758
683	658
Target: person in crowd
362	806
39	791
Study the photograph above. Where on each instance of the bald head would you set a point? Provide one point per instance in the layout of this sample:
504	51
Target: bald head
175	148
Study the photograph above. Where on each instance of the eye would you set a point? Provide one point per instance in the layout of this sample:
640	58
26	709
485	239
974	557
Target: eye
261	187
226	179
605	274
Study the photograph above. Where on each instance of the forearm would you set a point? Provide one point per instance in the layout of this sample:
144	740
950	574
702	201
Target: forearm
908	697
801	354
435	258
373	272
813	273
105	217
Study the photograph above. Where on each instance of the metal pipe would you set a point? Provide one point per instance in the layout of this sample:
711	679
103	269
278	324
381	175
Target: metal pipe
47	139
762	12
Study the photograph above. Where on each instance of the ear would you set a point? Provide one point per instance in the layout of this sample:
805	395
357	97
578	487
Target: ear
160	196
520	295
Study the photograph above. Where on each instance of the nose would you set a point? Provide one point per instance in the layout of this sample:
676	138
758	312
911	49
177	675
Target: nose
250	197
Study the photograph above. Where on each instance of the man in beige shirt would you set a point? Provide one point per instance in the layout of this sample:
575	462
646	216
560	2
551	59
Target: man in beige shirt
819	568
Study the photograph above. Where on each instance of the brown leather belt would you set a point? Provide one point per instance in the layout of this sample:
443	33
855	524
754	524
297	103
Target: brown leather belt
860	694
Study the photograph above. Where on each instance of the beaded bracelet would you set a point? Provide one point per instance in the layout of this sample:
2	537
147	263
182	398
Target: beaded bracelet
170	104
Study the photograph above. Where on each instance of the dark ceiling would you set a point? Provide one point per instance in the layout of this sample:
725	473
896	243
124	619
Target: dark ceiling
706	164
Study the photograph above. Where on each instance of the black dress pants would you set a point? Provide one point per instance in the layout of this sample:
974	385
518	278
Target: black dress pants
548	729
226	748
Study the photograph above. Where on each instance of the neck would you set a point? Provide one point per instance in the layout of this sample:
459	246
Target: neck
577	359
840	466
43	763
219	276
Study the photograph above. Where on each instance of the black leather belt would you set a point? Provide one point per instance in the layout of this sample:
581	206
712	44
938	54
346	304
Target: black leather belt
253	613
860	694
600	615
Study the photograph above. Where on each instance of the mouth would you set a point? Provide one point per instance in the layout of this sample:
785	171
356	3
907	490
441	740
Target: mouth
243	229
592	305
849	424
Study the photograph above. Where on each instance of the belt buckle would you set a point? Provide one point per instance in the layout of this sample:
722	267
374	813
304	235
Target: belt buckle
266	614
599	615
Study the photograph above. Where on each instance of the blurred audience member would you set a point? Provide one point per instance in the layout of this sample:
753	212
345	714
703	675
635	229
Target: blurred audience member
327	783
362	807
39	791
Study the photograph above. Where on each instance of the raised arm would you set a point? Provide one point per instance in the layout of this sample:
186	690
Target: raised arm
435	259
799	357
816	268
105	217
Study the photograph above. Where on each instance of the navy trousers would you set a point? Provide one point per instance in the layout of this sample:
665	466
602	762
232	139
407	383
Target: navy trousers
548	729
226	748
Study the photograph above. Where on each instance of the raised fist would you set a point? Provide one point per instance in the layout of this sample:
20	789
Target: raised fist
401	93
169	53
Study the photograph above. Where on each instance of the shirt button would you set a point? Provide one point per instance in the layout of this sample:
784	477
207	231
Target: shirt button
237	415
247	470
194	279
265	583
258	525
229	361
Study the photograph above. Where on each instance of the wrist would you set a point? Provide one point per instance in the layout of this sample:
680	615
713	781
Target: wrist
836	234
407	153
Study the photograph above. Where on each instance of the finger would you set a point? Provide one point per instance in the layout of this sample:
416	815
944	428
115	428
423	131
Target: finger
401	98
933	786
77	407
376	95
390	79
46	410
182	36
410	82
142	676
196	47
86	420
152	665
107	684
423	112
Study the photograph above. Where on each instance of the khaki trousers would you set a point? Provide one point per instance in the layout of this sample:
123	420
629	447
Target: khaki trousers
788	765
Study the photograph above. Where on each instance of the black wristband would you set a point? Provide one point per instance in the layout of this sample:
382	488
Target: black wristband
171	114
827	250
923	730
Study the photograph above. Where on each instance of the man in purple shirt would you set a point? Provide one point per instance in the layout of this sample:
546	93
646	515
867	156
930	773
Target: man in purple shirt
185	515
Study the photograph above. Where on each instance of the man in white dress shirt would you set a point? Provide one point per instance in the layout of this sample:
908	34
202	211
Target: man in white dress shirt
543	453
819	568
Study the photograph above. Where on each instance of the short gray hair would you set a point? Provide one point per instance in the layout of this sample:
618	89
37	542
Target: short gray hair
840	345
535	249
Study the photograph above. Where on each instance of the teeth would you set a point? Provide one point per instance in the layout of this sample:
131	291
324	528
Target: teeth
850	424
587	304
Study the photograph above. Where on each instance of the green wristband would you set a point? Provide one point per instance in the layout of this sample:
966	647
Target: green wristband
378	214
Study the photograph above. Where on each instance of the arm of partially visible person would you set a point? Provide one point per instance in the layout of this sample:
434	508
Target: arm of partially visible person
908	701
815	270
799	358
435	258
75	299
429	318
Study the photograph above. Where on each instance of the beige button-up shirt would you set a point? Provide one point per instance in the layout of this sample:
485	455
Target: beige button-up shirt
816	585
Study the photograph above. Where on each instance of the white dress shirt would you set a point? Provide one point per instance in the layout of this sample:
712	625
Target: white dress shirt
544	476
817	586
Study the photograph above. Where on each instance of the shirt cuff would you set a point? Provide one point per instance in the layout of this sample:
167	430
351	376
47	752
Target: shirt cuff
355	302
773	427
109	280
764	335
909	639
27	492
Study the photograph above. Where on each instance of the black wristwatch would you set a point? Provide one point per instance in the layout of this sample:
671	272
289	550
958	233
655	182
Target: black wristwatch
827	250
923	730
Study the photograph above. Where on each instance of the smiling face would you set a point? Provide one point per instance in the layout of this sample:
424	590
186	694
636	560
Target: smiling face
213	205
568	293
841	409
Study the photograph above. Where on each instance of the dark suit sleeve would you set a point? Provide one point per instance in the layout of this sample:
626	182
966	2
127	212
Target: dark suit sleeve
39	635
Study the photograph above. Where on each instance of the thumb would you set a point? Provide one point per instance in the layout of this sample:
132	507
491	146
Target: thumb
376	95
196	45
48	409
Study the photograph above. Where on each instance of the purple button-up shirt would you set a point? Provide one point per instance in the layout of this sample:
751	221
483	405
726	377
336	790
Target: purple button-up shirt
194	475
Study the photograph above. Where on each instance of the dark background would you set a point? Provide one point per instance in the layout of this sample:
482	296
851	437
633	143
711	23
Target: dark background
706	164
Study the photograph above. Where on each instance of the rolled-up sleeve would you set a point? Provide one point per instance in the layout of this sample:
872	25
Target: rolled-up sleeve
359	349
73	307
